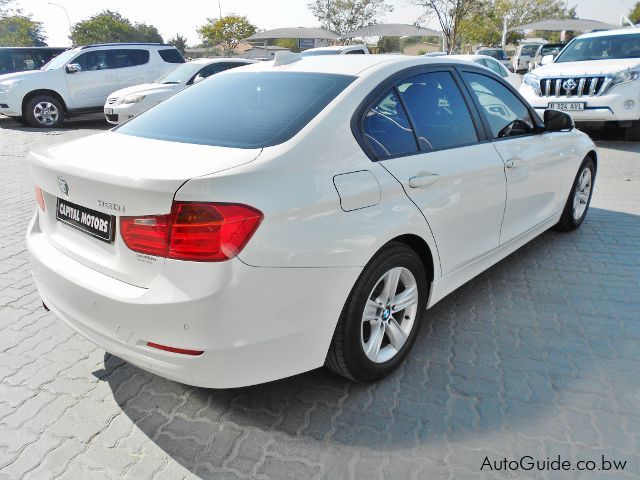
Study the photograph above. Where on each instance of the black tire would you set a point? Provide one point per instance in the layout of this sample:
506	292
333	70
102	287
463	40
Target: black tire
632	132
346	354
568	220
49	117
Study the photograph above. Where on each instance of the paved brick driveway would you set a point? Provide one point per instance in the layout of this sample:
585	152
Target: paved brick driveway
539	356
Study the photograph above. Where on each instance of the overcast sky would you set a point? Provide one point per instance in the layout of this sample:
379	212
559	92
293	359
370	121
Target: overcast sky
170	18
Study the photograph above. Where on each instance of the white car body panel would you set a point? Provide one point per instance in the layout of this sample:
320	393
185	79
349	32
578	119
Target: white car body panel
86	90
308	244
601	107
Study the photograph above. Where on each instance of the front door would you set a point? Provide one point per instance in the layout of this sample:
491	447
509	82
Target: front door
535	166
424	134
97	78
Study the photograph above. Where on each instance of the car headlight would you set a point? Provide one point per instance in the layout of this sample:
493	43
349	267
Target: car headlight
133	99
532	80
8	85
623	77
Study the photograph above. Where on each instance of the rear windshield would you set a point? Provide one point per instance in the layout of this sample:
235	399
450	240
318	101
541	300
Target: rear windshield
529	50
240	109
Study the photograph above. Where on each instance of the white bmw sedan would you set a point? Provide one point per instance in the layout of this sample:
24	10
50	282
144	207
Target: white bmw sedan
300	213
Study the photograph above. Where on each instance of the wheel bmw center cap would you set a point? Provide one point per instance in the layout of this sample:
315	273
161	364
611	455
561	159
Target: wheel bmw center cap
386	314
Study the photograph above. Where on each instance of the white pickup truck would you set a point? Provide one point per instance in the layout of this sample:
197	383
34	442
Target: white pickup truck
596	79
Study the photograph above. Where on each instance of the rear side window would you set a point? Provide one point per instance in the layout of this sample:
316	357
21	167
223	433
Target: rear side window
438	111
506	114
130	57
355	52
386	128
171	55
240	109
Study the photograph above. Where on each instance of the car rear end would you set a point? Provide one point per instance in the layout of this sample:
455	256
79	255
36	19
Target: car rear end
137	244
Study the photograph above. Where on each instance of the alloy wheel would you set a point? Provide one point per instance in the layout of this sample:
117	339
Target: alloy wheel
389	315
46	113
582	194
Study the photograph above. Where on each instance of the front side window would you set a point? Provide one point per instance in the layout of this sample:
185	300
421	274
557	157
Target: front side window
386	128
240	109
95	60
506	114
213	69
438	111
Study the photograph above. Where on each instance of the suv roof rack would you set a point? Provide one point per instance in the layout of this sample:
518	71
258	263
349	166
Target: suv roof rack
125	44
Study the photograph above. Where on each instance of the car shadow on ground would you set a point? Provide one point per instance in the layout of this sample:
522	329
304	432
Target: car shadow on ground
88	122
507	349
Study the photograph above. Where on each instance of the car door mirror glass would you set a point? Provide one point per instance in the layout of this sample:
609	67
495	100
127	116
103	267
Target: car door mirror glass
73	68
546	59
557	121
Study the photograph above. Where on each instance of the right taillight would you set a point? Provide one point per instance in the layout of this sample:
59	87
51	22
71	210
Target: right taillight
195	231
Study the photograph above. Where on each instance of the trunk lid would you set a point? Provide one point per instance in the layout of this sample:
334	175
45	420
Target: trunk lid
118	175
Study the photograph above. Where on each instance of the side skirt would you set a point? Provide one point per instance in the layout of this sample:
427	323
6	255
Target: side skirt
450	282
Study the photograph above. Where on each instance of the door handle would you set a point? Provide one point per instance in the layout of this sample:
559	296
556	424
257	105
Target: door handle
423	180
513	162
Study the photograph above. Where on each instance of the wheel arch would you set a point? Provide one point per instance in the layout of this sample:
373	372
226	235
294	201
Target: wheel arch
422	249
594	157
44	91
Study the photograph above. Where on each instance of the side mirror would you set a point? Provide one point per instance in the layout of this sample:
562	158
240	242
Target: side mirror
546	59
557	121
73	68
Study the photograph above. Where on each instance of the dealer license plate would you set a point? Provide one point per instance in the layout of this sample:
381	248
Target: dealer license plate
97	224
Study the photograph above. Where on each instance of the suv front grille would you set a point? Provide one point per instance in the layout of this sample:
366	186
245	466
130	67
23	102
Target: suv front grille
570	86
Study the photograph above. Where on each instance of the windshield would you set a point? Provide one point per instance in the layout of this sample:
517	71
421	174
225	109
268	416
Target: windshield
550	49
529	50
495	53
60	60
182	74
315	53
601	48
240	109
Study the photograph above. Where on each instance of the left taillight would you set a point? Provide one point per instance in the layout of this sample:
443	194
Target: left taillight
194	231
39	197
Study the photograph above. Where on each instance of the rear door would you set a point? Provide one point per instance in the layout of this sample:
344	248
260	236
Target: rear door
535	166
97	78
133	66
423	132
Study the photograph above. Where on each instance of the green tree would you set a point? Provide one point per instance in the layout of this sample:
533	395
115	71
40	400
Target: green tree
18	29
494	13
179	42
21	31
389	44
452	14
634	14
227	32
344	16
290	43
109	26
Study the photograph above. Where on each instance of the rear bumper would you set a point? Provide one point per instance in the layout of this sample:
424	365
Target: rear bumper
253	324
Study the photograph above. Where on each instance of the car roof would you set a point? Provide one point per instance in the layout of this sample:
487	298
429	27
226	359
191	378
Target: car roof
354	65
606	33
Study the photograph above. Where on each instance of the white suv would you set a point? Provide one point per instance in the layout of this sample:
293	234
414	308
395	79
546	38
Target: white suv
596	78
79	80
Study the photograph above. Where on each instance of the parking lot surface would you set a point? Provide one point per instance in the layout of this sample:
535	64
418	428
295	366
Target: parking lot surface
539	356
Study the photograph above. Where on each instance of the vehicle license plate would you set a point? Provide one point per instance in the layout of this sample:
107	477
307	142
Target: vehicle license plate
567	106
96	224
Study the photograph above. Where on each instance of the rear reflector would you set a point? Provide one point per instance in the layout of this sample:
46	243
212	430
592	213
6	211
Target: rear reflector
182	351
39	197
202	232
